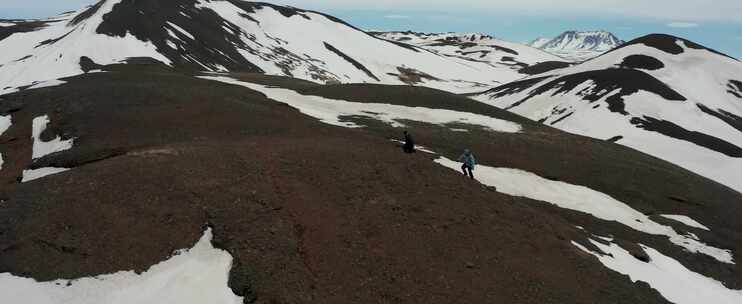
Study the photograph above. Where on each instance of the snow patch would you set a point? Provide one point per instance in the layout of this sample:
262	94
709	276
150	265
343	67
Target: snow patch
194	276
5	123
6	24
46	84
669	277
331	111
41	148
181	30
34	174
172	44
685	220
521	183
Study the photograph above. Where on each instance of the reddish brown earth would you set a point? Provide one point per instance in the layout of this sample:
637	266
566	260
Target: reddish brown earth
316	213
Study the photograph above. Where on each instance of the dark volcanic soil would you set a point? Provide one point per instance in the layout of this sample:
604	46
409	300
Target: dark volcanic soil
313	212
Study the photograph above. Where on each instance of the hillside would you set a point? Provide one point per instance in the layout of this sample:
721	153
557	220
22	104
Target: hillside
230	35
658	94
321	205
225	151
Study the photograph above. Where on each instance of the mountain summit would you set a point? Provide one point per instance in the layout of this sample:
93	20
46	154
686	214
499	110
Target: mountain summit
578	46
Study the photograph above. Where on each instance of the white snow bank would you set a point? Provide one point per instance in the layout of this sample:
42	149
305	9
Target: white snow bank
6	24
34	174
686	221
5	123
41	148
671	279
579	198
194	276
46	84
330	111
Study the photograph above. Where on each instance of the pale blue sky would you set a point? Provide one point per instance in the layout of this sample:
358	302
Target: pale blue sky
714	23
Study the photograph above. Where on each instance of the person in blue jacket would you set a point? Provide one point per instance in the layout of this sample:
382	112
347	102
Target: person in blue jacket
469	163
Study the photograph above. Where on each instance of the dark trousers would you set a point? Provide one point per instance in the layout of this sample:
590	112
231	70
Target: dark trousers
464	168
407	148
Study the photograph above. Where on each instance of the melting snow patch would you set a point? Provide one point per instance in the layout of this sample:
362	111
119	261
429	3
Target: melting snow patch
685	220
46	84
330	111
579	198
34	174
5	123
181	30
172	45
674	281
198	275
5	24
41	148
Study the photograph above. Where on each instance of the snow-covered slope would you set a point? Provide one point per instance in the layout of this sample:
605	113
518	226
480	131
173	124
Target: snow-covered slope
662	95
578	46
229	35
474	47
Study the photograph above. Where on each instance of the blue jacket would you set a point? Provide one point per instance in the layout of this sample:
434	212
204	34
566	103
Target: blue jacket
468	159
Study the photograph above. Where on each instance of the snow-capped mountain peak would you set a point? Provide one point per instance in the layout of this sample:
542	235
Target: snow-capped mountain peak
540	42
579	46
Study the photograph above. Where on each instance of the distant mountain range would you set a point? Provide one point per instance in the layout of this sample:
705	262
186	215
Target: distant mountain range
474	47
578	46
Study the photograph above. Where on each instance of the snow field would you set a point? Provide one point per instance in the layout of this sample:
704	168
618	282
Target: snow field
671	279
331	111
34	174
194	276
521	183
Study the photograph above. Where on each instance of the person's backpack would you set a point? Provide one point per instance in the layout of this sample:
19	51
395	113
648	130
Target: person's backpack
471	161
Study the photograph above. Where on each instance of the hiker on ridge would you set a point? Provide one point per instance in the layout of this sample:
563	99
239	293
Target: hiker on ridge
469	163
409	143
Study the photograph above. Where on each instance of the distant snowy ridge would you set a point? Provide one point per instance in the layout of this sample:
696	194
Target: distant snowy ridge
240	36
578	46
475	47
